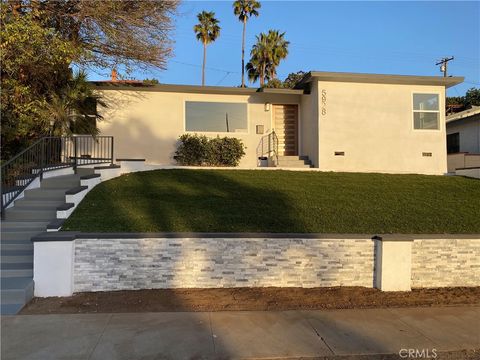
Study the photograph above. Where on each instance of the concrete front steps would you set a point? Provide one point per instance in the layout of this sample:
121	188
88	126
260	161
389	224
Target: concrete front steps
29	217
294	162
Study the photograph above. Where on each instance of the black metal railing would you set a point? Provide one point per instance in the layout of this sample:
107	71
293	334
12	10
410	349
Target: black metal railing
268	146
51	153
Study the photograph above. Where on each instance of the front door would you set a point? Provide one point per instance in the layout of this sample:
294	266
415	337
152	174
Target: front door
286	127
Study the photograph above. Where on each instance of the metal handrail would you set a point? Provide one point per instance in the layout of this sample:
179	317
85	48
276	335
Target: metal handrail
47	154
268	145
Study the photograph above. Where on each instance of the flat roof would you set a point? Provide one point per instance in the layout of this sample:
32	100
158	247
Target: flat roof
379	79
111	85
463	114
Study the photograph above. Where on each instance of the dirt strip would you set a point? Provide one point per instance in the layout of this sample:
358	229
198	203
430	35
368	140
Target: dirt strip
269	298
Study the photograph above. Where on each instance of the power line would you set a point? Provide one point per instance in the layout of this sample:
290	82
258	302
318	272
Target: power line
206	67
223	78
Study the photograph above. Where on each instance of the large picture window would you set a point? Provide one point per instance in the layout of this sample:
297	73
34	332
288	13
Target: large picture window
426	114
215	116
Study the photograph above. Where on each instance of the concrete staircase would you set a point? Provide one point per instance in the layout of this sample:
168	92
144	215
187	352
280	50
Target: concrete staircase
29	217
294	162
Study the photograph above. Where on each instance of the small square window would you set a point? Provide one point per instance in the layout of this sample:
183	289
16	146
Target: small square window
426	114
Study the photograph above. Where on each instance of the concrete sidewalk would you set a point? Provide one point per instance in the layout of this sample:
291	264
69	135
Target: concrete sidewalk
225	335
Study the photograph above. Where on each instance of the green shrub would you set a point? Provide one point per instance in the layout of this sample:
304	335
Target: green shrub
198	150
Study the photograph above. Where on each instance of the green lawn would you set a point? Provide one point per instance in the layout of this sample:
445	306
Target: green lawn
280	201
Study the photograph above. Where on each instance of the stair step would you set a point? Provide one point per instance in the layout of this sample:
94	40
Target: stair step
23	226
17	237
292	157
85	171
17	290
46	194
19	246
5	252
38	203
299	166
16	273
39	213
294	162
64	181
16	266
16	259
11	309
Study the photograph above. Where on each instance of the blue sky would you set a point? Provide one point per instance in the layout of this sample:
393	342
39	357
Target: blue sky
371	37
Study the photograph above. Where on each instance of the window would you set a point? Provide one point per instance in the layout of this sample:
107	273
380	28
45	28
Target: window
453	143
426	114
215	116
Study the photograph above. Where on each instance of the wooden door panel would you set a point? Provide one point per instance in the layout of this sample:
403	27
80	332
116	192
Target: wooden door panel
286	128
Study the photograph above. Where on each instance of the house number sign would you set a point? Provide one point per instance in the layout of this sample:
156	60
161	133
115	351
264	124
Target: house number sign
324	102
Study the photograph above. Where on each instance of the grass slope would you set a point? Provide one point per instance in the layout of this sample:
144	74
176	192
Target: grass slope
280	201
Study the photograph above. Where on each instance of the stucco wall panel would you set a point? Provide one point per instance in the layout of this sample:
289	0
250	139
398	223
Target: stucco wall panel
147	124
373	125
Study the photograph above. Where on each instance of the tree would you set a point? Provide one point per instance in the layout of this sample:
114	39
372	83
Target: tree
245	9
35	63
73	110
207	31
293	79
472	97
274	83
109	32
460	103
289	83
41	39
269	50
151	81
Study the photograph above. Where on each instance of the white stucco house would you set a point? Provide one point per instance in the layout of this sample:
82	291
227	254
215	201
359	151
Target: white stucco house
463	139
331	121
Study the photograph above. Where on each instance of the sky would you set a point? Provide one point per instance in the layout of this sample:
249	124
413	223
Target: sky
385	37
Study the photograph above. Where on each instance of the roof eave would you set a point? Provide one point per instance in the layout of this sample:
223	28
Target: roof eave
381	78
99	85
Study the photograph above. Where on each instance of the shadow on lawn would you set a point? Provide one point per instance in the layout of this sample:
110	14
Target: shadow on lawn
194	201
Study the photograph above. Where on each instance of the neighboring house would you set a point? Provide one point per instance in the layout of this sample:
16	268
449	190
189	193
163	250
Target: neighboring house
340	121
463	139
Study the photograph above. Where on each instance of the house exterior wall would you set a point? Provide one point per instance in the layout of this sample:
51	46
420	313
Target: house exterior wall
309	135
147	124
373	125
469	133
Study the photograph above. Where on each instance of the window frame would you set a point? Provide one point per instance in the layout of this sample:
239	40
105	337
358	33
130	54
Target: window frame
439	128
214	132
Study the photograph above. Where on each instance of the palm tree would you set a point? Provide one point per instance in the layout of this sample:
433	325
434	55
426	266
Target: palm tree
70	109
245	9
279	48
266	54
207	31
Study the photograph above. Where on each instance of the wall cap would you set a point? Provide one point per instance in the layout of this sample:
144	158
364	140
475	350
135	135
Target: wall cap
412	237
72	235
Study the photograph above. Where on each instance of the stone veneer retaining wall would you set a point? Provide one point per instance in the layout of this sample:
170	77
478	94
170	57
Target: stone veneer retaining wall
445	262
126	264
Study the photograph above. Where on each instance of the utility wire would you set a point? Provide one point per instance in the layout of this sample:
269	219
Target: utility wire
223	78
206	67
